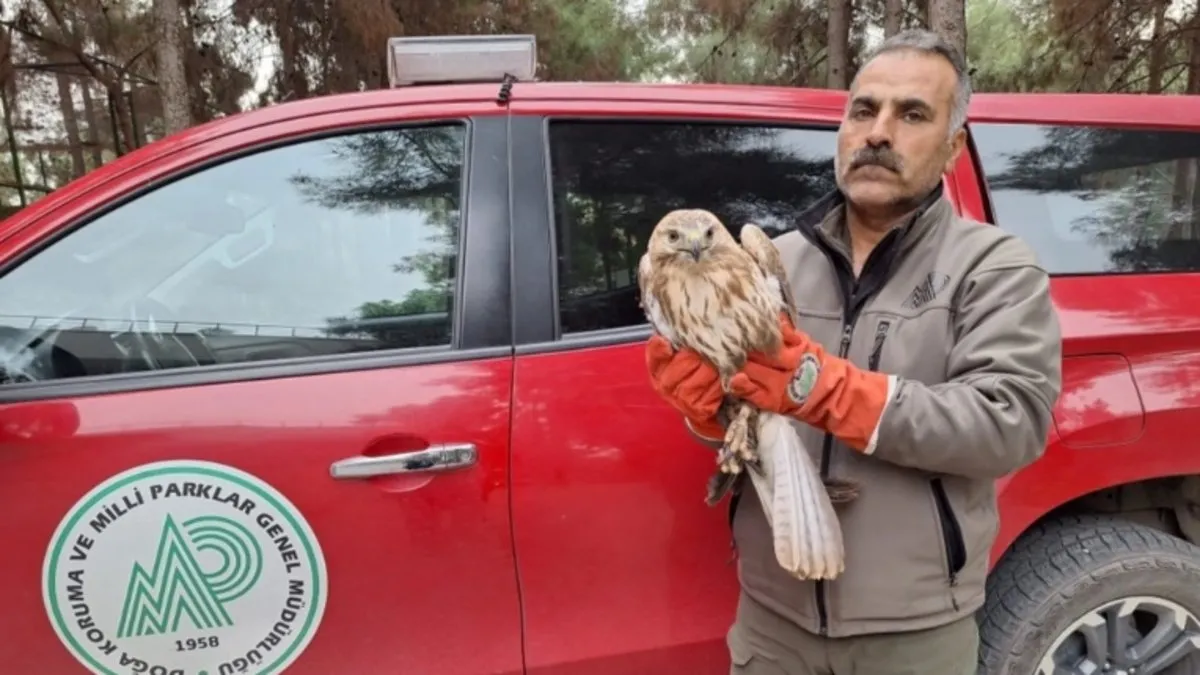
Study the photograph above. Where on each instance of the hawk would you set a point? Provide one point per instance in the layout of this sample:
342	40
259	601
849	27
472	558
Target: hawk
701	290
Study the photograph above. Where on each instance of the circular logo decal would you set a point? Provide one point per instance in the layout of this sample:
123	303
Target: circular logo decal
184	568
804	379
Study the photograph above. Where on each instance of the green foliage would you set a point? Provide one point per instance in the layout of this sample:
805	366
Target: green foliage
319	47
596	40
1001	46
742	41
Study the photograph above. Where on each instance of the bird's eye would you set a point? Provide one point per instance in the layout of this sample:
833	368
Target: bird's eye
672	236
708	234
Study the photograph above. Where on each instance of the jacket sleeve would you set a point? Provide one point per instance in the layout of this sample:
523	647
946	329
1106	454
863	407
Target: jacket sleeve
993	414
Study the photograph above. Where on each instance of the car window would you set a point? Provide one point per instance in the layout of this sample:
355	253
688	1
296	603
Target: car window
614	180
340	244
1096	200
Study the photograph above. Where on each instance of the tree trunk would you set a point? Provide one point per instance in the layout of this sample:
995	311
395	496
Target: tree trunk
921	9
42	171
14	153
1193	80
838	39
1193	88
69	27
949	19
1158	48
1185	197
291	75
122	124
172	78
93	123
893	17
66	104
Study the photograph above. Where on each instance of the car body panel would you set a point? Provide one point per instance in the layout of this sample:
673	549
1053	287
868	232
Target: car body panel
614	539
621	515
1130	422
1100	404
623	567
422	552
411	560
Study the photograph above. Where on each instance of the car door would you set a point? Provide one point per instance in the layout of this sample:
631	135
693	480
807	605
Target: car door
624	568
255	412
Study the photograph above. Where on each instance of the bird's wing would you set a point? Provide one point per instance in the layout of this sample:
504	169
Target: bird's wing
762	250
806	529
807	534
650	304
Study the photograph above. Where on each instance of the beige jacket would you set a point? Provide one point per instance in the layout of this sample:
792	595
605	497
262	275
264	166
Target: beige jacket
960	313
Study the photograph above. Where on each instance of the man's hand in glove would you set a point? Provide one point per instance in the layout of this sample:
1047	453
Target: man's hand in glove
808	383
689	384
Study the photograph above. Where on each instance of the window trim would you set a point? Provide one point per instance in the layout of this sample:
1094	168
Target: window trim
535	249
981	184
478	330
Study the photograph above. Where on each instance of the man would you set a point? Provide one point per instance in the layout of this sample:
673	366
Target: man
924	366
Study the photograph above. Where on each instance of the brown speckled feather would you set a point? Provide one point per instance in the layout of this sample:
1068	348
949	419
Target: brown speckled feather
721	305
702	290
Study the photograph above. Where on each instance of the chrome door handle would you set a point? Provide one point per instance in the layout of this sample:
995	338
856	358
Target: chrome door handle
442	457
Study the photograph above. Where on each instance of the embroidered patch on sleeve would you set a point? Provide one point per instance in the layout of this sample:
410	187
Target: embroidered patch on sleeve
804	379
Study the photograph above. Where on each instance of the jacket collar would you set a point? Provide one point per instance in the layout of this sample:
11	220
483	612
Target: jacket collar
825	222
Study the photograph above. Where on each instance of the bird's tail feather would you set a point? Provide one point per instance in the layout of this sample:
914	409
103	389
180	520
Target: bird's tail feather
808	536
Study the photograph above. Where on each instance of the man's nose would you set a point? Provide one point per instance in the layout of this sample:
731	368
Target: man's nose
880	134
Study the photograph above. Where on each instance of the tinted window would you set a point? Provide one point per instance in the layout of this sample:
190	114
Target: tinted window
1096	200
342	244
614	180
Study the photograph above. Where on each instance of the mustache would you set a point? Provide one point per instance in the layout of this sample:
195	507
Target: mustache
881	156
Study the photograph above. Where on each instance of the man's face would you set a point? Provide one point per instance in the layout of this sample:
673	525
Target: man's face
894	142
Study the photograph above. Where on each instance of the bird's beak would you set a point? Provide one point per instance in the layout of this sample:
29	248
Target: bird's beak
697	247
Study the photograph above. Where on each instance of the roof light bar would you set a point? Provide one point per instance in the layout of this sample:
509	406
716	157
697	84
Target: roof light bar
460	58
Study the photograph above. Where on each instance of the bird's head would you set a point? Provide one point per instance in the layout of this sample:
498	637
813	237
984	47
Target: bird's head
688	234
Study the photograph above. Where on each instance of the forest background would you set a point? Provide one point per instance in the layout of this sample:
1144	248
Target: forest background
85	81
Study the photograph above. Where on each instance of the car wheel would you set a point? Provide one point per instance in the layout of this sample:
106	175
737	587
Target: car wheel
1088	594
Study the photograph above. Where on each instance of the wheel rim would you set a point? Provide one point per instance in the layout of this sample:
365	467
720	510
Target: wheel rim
1131	636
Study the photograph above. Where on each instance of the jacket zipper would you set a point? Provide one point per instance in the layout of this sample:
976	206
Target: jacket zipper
827	448
952	537
855	293
853	300
826	456
881	332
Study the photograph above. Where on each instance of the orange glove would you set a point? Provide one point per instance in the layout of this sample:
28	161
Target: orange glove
806	382
689	383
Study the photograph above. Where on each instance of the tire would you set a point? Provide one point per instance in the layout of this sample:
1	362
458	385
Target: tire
1066	569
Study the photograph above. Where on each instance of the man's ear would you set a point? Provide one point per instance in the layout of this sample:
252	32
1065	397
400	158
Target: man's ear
958	141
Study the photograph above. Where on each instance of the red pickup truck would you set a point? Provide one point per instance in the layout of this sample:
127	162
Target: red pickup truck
356	385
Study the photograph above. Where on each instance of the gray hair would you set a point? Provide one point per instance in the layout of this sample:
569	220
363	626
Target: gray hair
929	42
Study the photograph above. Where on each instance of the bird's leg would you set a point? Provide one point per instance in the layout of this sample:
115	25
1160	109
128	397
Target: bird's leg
749	452
740	420
741	438
726	458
